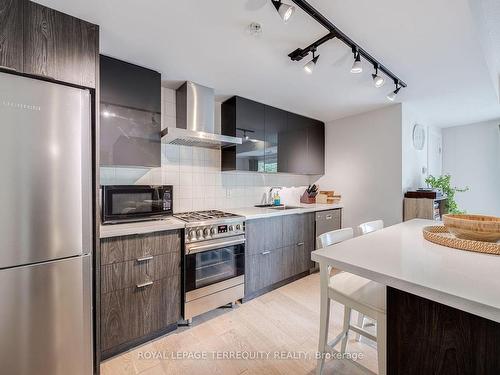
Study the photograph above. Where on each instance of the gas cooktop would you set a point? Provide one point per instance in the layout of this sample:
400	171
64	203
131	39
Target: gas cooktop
200	216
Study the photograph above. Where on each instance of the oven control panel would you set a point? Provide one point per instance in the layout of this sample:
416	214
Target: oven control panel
213	231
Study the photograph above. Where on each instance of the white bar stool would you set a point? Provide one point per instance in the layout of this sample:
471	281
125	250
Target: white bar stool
355	293
365	228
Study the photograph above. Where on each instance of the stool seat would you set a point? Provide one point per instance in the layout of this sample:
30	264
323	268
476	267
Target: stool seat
365	292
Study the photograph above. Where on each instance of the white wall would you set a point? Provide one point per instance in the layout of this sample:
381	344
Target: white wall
196	177
416	163
471	155
364	164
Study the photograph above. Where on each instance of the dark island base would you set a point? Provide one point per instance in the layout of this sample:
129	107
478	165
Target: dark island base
426	338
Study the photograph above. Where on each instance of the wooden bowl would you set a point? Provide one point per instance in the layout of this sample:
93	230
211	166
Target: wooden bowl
473	227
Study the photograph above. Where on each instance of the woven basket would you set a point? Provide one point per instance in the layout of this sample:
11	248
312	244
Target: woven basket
440	235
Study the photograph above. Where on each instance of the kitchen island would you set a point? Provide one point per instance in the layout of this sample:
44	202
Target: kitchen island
443	304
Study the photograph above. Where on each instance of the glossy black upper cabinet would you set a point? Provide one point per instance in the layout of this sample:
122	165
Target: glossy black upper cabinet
129	85
275	159
243	118
315	147
130	114
273	140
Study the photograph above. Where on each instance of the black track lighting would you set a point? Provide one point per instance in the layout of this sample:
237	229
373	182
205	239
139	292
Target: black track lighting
284	10
392	95
335	33
309	67
356	65
378	81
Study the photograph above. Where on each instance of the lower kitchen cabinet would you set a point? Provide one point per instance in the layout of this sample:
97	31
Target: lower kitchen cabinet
140	289
262	270
277	249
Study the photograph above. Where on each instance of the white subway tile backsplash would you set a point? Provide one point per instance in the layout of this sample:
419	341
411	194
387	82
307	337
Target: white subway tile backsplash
186	179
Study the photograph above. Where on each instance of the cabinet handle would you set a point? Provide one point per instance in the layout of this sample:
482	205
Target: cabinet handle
8	68
142	285
266	252
328	217
300	243
144	259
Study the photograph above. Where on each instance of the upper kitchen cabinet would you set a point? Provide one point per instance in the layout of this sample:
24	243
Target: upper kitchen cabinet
130	114
315	147
59	46
275	130
243	118
11	34
41	41
273	140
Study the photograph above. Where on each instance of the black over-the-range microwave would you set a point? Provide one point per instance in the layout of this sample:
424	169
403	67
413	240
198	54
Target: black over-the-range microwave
127	203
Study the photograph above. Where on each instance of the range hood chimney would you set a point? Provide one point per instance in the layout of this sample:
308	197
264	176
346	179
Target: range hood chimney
195	119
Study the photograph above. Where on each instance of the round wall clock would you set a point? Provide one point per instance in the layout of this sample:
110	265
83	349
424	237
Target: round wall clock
418	137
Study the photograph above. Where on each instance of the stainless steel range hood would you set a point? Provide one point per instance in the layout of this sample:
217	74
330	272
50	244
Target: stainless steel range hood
195	120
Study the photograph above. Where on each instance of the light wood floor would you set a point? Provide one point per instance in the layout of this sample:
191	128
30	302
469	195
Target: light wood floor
285	320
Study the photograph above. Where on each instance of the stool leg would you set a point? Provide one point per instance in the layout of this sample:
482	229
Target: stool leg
360	323
324	317
382	344
347	322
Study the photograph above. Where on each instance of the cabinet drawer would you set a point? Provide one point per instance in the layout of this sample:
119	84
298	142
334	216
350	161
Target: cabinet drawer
298	228
263	270
264	234
122	275
133	312
123	248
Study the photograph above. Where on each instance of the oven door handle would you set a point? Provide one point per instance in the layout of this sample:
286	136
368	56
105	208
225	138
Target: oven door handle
201	248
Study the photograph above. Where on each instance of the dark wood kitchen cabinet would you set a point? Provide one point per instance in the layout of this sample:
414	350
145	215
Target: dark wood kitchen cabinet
140	289
278	249
41	41
11	34
59	46
273	140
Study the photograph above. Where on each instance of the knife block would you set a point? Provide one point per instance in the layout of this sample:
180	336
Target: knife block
305	198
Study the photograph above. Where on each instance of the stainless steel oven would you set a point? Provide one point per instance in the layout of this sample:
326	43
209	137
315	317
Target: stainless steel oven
214	261
126	203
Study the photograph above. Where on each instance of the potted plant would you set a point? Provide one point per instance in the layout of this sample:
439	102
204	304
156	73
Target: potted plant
443	183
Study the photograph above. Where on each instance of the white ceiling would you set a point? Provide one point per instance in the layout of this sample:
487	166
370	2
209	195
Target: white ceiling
436	47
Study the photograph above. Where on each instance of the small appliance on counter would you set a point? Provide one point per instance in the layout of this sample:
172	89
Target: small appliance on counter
214	260
129	203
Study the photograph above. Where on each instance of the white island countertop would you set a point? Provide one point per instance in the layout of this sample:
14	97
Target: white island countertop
263	212
400	257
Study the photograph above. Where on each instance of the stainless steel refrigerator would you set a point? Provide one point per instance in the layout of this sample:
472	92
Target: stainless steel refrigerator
45	228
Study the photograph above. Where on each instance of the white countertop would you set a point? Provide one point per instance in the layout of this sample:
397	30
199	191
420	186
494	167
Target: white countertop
400	257
262	212
114	230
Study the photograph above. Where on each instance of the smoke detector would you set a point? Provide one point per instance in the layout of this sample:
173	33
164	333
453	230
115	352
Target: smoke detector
254	29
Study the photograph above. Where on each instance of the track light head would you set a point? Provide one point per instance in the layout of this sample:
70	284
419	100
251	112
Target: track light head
284	10
356	66
392	95
378	81
309	67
